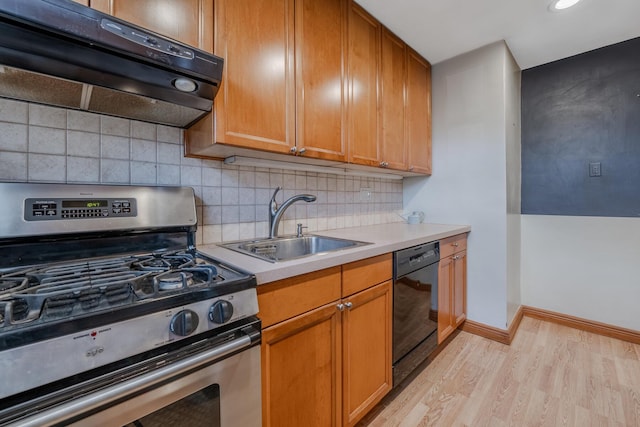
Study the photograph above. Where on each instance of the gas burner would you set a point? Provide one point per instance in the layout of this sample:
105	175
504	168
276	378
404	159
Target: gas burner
163	261
174	280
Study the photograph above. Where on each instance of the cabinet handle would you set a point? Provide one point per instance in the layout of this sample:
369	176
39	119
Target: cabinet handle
293	150
384	164
302	151
455	244
348	304
340	307
455	257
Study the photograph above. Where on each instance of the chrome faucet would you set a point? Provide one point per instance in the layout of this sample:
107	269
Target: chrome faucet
275	212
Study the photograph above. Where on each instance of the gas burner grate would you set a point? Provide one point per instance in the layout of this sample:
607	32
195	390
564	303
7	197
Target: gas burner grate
9	285
57	291
183	278
162	261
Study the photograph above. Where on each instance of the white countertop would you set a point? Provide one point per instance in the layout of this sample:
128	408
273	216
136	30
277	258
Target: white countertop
384	238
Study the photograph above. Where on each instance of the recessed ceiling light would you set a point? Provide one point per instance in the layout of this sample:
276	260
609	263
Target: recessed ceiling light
562	4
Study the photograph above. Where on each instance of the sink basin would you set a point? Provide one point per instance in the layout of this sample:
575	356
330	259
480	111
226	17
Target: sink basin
287	248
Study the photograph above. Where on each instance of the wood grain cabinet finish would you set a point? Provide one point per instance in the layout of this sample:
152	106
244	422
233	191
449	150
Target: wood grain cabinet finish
283	85
366	346
452	285
255	107
188	21
364	63
326	363
389	98
392	102
418	113
321	50
301	370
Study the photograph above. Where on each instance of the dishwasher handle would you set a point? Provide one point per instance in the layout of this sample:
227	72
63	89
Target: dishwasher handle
415	258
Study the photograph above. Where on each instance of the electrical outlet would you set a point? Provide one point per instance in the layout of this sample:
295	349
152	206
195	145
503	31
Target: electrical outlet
594	169
366	194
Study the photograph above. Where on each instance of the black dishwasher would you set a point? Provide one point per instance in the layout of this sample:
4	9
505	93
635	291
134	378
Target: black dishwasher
415	307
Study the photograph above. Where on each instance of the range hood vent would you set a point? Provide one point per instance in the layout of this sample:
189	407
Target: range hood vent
58	52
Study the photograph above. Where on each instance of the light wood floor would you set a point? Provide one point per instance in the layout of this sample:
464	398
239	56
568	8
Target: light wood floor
551	375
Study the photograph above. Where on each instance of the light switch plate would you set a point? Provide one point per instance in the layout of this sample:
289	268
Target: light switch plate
595	169
366	194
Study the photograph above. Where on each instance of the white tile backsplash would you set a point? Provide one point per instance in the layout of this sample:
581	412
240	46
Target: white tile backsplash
83	169
13	166
14	137
48	144
115	147
114	171
46	168
84	144
40	115
115	126
81	120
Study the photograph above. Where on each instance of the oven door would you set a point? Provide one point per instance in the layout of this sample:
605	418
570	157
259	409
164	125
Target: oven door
214	387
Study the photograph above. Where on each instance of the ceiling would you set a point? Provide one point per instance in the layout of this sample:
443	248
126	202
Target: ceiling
442	29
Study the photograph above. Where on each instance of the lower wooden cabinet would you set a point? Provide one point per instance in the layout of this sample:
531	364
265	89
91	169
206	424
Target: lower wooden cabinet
366	351
328	365
452	285
301	370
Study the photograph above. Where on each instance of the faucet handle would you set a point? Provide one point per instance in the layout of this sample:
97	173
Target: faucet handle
273	205
299	230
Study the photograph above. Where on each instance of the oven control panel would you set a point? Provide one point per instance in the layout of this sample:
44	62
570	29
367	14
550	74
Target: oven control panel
65	209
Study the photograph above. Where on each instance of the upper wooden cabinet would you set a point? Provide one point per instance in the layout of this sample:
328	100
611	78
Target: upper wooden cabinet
418	113
321	79
188	21
283	82
389	98
255	107
392	102
321	44
364	61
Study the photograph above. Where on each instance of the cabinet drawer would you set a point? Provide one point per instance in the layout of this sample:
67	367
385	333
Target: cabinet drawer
290	297
452	244
360	275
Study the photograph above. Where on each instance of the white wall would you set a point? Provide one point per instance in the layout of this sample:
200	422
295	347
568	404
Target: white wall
514	166
588	267
469	182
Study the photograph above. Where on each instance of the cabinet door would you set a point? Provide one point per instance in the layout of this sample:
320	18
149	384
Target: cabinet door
446	276
418	113
366	350
392	101
301	370
188	21
460	288
321	49
364	62
255	107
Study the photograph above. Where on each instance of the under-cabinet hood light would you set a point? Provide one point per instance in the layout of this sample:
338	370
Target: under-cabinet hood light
274	164
557	5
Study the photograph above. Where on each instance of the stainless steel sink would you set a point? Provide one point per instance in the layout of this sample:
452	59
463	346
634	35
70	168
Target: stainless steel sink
287	248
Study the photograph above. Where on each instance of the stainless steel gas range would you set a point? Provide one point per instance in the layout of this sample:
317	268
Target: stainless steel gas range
109	316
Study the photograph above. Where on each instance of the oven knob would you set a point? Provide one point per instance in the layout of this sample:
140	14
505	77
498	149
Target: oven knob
184	323
221	311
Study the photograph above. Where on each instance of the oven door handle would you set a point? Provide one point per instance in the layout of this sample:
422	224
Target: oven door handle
103	397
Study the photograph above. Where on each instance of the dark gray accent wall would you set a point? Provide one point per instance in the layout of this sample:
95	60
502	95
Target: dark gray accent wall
576	111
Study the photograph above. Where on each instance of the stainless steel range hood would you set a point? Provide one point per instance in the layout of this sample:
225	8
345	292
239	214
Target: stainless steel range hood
58	52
